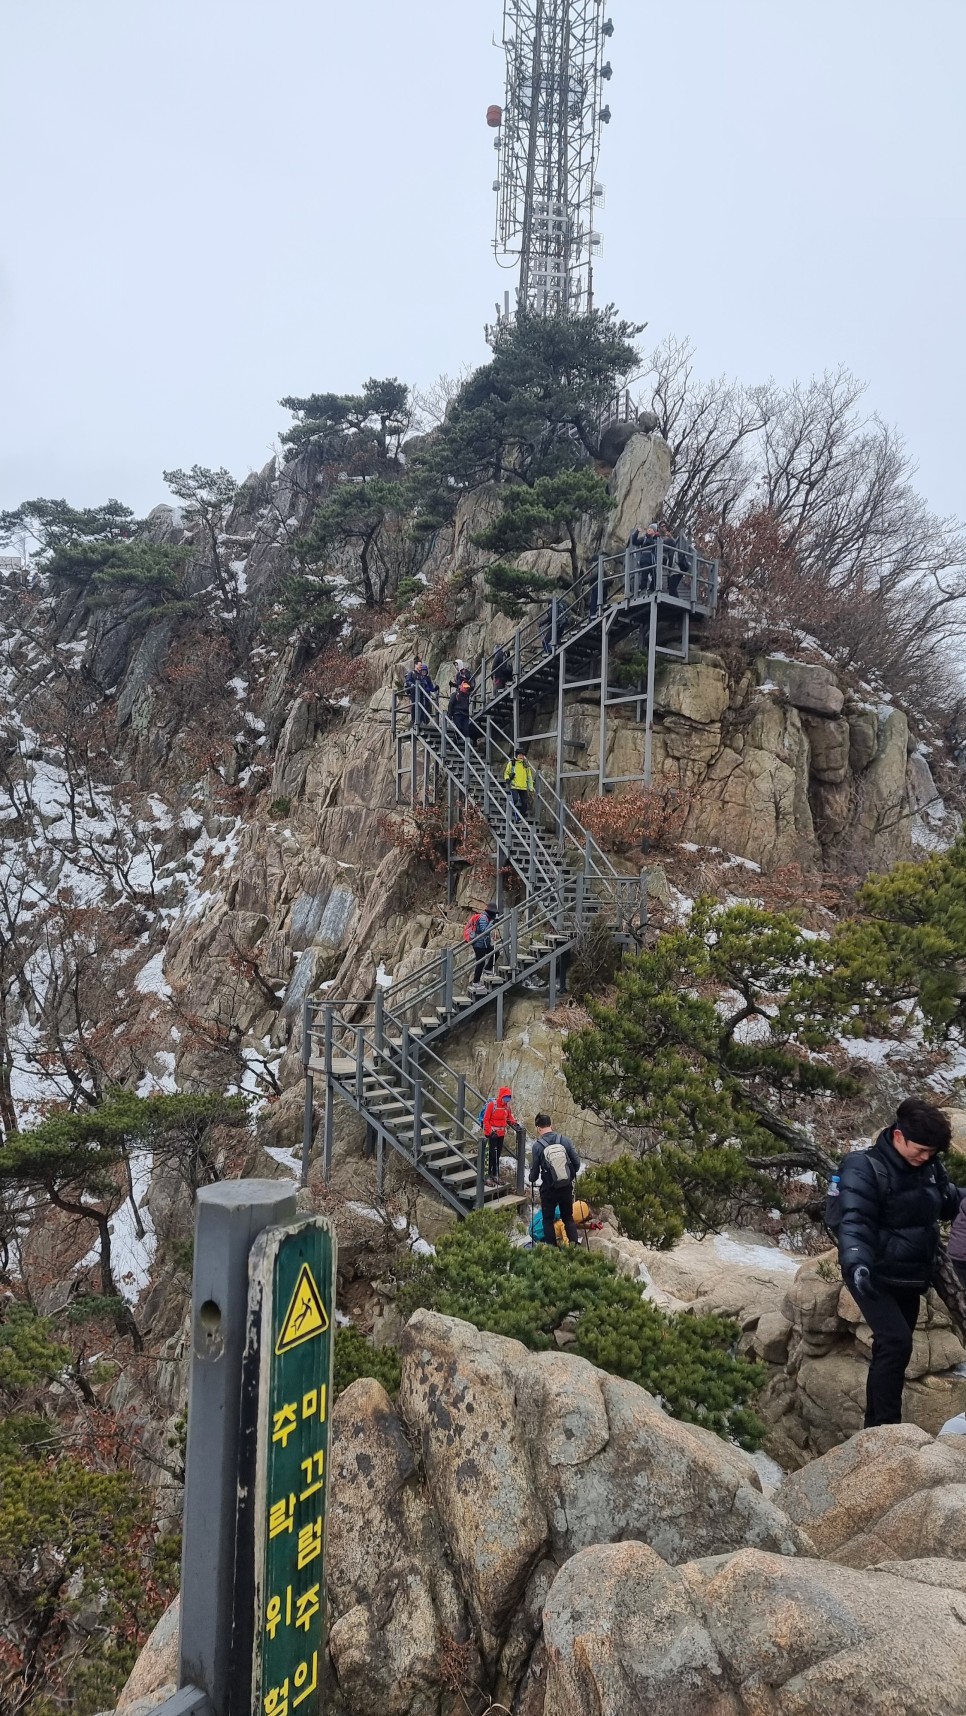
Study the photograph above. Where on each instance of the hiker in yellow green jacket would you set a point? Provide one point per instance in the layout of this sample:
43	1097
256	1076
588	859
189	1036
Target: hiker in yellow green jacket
518	776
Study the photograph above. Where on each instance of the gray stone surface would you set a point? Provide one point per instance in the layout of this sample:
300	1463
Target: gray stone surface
863	737
749	1634
806	686
305	920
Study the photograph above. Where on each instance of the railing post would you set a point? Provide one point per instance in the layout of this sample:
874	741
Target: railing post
481	1147
380	1011
360	1060
448	980
417	1117
308	1113
513	937
460	1105
554	622
532	862
521	1159
600	584
627	573
404	1052
327	1039
228	1218
579	908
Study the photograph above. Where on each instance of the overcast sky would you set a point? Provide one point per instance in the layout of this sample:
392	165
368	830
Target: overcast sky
208	204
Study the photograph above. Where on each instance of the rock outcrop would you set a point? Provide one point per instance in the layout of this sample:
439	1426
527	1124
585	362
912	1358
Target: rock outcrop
525	1531
450	1515
748	1632
890	1494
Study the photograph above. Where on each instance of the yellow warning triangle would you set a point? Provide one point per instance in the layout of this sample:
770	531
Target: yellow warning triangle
306	1315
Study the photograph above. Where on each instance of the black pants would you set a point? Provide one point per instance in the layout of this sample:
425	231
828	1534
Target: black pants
552	1199
521	800
891	1316
461	721
484	959
495	1141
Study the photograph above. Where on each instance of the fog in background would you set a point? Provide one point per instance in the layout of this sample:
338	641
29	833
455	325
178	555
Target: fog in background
208	204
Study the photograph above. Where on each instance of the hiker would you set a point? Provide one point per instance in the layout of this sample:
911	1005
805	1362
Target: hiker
891	1200
458	707
497	1116
519	777
502	669
478	933
684	558
645	545
420	690
462	673
554	1163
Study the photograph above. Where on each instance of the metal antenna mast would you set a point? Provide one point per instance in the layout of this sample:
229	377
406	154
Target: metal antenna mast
548	137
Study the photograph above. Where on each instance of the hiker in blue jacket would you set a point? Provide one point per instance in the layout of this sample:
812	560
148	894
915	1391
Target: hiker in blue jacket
421	692
554	1163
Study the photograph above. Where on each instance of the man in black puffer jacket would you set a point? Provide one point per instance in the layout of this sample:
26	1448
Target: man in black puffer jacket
892	1199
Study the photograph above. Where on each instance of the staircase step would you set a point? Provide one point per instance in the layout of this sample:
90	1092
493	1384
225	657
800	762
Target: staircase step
444	1166
460	1176
504	1203
343	1066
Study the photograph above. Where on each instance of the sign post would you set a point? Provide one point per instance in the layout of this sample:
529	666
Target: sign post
287	1395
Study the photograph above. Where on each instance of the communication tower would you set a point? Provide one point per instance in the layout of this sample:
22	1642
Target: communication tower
548	139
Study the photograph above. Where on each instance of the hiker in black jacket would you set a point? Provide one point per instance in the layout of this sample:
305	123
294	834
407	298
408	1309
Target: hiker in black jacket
554	1162
892	1199
458	707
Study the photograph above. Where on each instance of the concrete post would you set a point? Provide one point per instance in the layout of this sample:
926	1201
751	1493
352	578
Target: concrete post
228	1218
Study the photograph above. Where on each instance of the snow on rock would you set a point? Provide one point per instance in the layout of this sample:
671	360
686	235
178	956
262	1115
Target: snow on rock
150	978
757	1256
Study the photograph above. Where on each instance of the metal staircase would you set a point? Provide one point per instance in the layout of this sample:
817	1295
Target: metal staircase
378	1055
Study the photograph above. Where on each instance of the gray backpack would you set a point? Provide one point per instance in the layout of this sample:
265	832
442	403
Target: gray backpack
556	1159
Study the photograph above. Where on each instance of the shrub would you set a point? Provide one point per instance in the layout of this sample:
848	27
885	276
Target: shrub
335	674
355	1357
594	961
422	834
691	1362
650	818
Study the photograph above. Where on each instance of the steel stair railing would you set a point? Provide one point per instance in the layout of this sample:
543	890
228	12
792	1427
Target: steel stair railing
531	856
426	1116
620	581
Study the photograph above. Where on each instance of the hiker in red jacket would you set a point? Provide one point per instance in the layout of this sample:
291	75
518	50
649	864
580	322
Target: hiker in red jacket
497	1116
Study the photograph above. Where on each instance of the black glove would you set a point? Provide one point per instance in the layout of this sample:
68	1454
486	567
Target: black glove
862	1282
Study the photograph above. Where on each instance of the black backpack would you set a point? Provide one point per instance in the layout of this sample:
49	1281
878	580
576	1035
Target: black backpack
833	1204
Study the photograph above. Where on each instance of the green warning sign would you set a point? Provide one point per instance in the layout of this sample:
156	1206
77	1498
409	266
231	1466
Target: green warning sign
292	1299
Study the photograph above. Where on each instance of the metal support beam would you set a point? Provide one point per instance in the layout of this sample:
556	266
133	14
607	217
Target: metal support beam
649	708
228	1218
327	1130
308	1126
561	686
602	736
